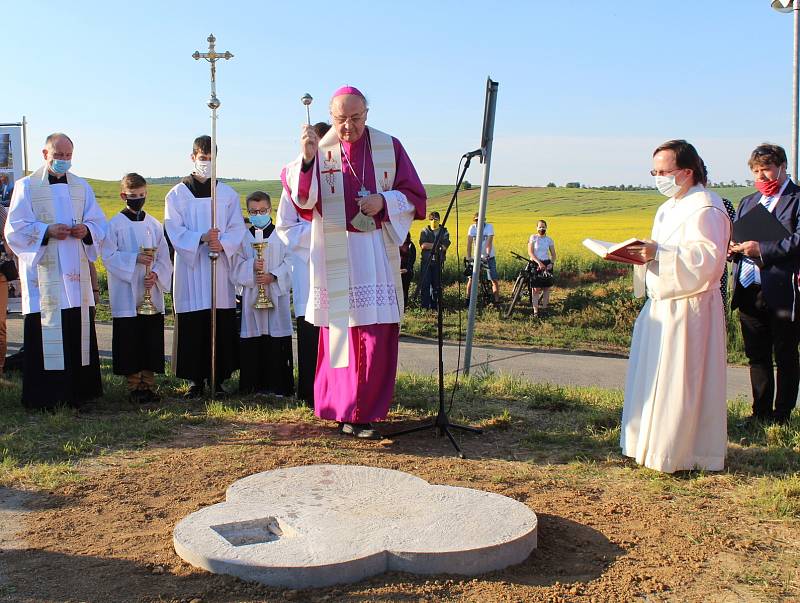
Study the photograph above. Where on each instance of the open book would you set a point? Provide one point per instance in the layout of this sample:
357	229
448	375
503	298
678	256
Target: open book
616	252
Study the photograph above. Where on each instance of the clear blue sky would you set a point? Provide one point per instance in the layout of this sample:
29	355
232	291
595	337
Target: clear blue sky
587	89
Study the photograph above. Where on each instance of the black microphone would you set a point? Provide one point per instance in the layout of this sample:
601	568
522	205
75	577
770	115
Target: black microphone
475	153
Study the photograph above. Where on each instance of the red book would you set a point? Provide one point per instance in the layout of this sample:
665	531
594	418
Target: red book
615	252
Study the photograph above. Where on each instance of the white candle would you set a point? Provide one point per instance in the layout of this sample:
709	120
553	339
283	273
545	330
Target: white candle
148	239
259	235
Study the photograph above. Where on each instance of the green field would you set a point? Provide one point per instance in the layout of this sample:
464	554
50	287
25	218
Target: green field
107	193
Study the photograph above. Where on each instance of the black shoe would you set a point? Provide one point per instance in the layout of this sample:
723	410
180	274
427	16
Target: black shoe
366	431
782	419
149	396
195	391
754	421
218	390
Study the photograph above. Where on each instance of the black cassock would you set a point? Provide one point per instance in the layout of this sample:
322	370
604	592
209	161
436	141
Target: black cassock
137	344
72	386
307	344
266	365
194	343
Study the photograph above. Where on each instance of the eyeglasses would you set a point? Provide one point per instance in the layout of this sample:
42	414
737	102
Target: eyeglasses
665	172
259	212
353	119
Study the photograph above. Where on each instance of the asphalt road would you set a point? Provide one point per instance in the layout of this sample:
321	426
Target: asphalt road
420	356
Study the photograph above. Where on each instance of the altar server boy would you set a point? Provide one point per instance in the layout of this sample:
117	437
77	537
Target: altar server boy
138	339
187	220
265	344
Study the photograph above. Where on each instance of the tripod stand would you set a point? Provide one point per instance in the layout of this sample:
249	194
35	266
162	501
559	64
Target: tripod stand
442	423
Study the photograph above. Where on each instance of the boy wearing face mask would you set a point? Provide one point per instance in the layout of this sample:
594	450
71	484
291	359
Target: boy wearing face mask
265	339
138	340
187	219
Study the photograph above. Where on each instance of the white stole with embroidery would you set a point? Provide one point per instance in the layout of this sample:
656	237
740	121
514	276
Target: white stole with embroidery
49	272
334	222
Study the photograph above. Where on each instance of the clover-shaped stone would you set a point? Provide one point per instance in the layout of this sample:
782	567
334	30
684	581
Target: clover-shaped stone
326	524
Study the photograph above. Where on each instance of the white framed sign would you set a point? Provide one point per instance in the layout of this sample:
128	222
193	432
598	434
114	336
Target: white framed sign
12	161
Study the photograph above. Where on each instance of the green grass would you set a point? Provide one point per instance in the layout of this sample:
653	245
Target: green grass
591	311
43	447
571	426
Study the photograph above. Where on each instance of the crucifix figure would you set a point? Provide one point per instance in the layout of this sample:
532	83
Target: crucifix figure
212	56
329	171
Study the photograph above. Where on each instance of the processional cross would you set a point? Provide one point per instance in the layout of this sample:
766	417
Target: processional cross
212	56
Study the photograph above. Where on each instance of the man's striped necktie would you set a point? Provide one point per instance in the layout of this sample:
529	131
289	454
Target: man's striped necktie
747	273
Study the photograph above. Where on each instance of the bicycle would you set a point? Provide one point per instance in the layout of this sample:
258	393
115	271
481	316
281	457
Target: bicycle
529	277
485	294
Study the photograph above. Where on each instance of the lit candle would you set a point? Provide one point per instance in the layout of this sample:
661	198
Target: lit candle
259	235
148	239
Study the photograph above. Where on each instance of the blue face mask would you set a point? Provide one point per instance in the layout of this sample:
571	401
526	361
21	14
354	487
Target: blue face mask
260	221
60	166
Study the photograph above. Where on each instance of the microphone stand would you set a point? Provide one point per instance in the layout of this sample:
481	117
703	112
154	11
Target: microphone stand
442	423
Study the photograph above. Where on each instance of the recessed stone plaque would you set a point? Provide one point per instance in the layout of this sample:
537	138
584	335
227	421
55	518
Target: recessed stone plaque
325	524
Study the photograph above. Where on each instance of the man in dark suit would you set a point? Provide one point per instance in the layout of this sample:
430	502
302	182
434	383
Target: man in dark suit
765	289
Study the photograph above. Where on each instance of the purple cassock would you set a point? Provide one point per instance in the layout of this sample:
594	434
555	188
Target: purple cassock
363	391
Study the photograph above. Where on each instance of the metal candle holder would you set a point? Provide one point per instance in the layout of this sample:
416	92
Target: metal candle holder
146	308
263	302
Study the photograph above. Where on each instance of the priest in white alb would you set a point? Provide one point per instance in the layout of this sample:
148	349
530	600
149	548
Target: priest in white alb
55	227
675	411
362	193
187	219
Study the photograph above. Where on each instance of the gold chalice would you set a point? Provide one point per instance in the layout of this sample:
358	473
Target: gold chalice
146	308
263	302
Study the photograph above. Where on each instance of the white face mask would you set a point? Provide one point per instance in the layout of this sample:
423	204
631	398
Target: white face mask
203	168
667	186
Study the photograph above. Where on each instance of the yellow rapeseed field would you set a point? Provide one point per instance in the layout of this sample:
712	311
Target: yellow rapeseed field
572	214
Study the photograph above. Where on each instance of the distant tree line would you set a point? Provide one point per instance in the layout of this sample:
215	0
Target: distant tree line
176	179
649	187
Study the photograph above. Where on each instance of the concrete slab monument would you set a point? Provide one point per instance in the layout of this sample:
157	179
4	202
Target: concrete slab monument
326	524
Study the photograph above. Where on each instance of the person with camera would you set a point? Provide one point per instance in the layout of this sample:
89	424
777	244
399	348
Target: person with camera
542	251
487	254
430	268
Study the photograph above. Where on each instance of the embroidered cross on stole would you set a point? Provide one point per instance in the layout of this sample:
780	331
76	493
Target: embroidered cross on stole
49	272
